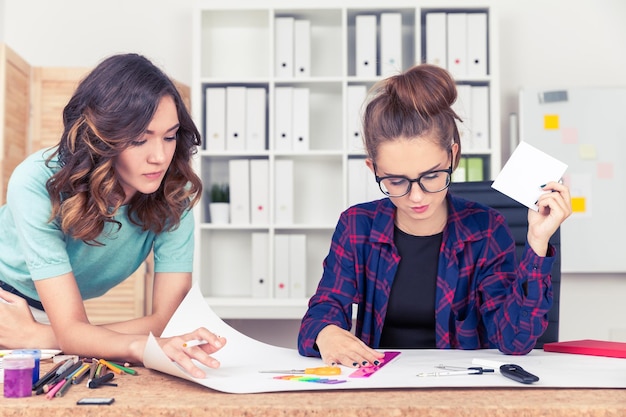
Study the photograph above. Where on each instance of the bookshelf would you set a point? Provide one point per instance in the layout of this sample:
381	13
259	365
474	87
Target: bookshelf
242	44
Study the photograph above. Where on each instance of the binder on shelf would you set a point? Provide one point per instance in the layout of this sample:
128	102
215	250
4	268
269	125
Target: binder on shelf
300	119
281	266
239	180
390	43
256	116
456	25
235	118
283	199
283	108
460	173
297	265
260	265
366	47
362	185
436	39
475	170
259	191
477	44
302	48
462	108
479	118
215	118
355	98
283	46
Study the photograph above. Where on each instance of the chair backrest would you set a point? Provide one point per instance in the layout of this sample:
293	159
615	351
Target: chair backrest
516	216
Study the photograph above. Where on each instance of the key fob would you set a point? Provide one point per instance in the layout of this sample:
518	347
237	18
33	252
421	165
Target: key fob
517	373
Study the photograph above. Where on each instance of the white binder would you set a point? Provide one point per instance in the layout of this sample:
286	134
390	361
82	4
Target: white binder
457	44
281	266
259	191
283	46
390	43
283	199
302	48
283	118
355	99
366	47
260	265
235	118
256	119
436	39
479	117
300	119
477	44
462	108
215	118
297	265
239	181
362	185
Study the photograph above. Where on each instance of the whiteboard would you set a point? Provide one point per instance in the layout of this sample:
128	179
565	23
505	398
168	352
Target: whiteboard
586	129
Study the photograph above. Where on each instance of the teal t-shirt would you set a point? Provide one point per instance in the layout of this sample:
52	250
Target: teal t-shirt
32	248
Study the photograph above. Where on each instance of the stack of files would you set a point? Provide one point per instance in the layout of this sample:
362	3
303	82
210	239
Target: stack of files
291	123
289	266
457	42
362	184
589	347
249	191
236	118
292	47
471	168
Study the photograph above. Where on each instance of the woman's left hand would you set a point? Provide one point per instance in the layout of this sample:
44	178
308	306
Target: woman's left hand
554	207
174	348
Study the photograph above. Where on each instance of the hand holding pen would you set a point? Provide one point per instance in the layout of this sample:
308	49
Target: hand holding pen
198	345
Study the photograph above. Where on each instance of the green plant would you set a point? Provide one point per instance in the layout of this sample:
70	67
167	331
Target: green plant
220	193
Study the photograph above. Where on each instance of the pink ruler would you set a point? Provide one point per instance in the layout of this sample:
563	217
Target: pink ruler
367	371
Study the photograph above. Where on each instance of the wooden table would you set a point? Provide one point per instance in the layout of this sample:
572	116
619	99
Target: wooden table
151	393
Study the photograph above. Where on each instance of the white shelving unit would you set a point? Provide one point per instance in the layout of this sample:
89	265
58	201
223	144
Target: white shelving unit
234	46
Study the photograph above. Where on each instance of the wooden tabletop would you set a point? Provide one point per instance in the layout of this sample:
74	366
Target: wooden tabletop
151	393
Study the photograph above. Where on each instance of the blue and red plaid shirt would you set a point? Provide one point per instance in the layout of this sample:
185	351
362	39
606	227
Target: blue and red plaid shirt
484	299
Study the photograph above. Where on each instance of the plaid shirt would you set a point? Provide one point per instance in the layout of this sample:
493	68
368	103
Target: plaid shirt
484	298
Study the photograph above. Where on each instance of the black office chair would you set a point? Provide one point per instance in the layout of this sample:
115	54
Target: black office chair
516	216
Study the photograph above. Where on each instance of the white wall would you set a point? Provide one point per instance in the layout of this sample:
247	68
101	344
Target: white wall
542	43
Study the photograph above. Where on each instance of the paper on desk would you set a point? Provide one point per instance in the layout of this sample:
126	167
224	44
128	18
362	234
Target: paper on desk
525	172
242	358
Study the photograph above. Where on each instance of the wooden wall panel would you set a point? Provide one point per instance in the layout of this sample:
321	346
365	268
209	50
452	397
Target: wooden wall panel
14	113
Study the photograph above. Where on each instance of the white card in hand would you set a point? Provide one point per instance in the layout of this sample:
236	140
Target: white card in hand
525	172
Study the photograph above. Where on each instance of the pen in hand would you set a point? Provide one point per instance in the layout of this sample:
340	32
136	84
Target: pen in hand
195	342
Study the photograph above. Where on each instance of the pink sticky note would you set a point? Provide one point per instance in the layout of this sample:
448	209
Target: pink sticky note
569	135
605	170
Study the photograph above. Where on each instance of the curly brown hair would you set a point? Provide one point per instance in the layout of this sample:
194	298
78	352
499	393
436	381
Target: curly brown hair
112	107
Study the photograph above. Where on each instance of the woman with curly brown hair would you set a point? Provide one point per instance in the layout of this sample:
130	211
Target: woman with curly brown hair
82	216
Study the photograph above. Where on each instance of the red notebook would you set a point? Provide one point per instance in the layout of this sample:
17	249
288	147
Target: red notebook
589	347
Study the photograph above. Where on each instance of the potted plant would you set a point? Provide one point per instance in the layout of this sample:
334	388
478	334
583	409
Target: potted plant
219	206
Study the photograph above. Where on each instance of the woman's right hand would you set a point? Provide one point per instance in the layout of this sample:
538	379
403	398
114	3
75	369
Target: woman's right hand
17	320
339	346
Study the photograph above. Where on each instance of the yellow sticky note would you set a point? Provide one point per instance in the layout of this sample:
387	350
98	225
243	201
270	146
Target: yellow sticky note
578	204
587	151
551	121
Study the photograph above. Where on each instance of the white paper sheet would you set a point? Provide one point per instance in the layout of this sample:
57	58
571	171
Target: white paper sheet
242	358
525	172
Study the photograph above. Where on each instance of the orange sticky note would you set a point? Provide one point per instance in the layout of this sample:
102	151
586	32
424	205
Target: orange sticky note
551	121
578	204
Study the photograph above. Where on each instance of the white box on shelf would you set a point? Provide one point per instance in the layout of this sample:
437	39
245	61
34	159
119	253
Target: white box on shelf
281	266
239	182
436	35
215	118
366	46
302	48
260	265
390	43
259	191
283	207
283	118
235	118
283	46
297	265
457	44
477	44
300	119
256	116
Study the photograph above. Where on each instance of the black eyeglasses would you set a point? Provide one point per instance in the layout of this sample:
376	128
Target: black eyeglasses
430	182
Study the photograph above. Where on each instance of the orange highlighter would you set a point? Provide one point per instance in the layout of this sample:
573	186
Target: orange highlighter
324	370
